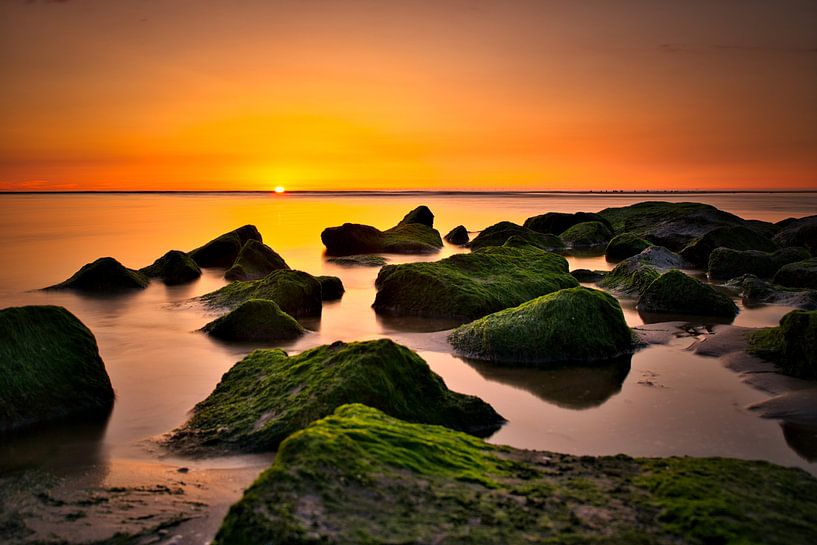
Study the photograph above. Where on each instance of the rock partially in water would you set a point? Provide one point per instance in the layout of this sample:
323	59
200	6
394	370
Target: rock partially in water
677	293
222	251
588	276
331	288
587	235
414	234
756	291
268	395
735	237
726	263
799	274
103	276
50	369
360	476
296	292
792	345
173	268
499	233
630	277
458	235
256	320
255	261
469	286
359	260
577	324
557	223
625	245
798	232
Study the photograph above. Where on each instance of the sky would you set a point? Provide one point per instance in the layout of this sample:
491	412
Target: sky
443	94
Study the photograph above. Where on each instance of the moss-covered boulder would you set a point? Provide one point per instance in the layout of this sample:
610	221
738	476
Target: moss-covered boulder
799	274
50	369
360	476
255	261
677	293
587	275
734	237
103	276
576	324
798	232
359	260
726	263
625	245
222	251
173	268
469	286
256	320
630	277
458	235
499	233
296	292
756	291
792	345
268	395
415	234
557	223
331	288
587	235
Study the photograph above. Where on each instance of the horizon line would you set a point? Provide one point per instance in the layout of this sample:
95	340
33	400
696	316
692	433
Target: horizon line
398	192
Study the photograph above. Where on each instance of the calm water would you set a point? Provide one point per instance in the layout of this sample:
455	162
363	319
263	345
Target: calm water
665	401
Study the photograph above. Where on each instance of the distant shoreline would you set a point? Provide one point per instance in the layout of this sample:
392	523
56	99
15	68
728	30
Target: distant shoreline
398	193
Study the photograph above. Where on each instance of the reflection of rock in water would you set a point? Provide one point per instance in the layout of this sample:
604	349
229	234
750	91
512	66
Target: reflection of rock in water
573	386
659	317
802	439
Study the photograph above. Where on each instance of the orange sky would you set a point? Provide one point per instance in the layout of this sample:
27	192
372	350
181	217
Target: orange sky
456	94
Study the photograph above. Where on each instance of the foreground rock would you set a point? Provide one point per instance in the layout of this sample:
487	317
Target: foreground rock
415	234
360	476
799	274
570	325
255	320
557	223
255	261
268	395
677	293
625	245
222	251
735	237
296	292
173	268
359	260
458	235
469	286
331	288
798	232
500	233
756	291
104	276
726	263
792	345
50	369
587	235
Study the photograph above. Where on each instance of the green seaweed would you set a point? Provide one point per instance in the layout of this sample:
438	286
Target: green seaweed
255	261
675	292
736	237
499	233
557	223
414	234
792	345
625	245
630	277
726	263
799	274
296	292
255	320
587	234
175	267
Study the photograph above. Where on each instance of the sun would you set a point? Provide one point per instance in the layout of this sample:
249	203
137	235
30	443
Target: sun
279	189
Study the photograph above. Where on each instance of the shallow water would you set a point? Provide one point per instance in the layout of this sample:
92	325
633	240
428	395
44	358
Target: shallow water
664	401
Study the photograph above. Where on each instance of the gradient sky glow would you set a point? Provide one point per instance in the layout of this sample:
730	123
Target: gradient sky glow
444	94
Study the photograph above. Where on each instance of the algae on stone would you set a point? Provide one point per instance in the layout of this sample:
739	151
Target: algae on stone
756	291
798	232
103	276
255	261
630	277
499	233
798	274
223	250
792	345
174	268
726	263
331	288
587	235
735	237
415	234
625	245
675	292
362	260
255	320
296	292
557	223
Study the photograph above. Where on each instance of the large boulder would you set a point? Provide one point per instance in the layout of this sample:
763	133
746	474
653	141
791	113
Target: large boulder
587	235
570	325
50	369
625	245
634	275
734	237
499	233
756	291
331	288
557	223
103	276
296	292
256	320
255	261
414	234
458	235
799	274
798	232
173	268
268	395
792	345
675	292
360	476
469	286
726	263
223	250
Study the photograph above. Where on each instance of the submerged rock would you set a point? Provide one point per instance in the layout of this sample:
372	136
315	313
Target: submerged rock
458	235
173	268
222	251
625	245
792	345
268	395
734	237
468	286
296	292
587	234
105	275
499	233
331	288
576	324
414	234
726	263
50	369
360	476
586	275
255	320
557	223
255	261
799	274
798	232
359	260
677	293
756	291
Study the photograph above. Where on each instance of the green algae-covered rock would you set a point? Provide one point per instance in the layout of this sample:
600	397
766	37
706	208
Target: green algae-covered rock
799	274
269	395
576	324
468	286
625	245
331	288
798	232
792	345
677	293
105	275
174	268
499	233
255	261
359	260
734	237
587	234
296	292
756	291
726	263
558	222
360	476
255	320
587	275
458	235
630	277
50	368
415	234
222	251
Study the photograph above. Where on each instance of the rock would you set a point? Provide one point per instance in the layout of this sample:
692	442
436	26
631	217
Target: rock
268	395
799	274
756	291
661	258
798	232
625	245
414	234
255	261
734	237
499	233
587	234
726	263
360	476
222	251
331	288
50	369
105	275
255	320
557	223
677	293
173	268
469	286
570	325
359	261
792	345
588	276
458	235
630	277
296	292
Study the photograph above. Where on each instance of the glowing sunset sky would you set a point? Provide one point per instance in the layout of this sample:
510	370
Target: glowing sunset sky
459	94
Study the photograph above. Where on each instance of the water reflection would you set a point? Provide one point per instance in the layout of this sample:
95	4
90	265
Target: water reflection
658	317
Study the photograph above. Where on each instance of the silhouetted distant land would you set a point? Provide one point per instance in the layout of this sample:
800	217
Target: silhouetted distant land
390	192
